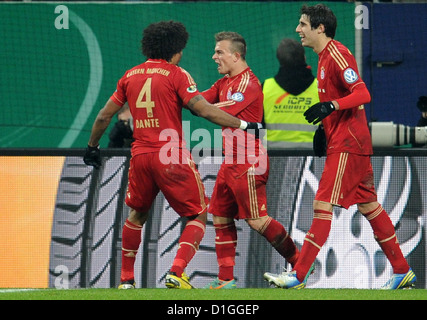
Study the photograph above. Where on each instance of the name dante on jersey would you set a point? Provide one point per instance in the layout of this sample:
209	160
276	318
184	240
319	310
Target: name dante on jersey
150	122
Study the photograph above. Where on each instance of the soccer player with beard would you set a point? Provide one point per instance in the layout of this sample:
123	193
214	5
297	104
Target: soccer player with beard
156	91
240	187
347	177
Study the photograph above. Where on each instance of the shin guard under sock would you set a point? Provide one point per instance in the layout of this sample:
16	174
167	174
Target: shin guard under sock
313	242
225	246
131	239
385	235
276	234
189	242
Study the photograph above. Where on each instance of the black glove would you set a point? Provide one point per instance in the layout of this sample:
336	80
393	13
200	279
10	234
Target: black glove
92	157
422	104
319	111
319	142
254	128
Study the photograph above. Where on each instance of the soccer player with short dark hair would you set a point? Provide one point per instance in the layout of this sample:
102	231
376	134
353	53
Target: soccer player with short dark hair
347	177
156	91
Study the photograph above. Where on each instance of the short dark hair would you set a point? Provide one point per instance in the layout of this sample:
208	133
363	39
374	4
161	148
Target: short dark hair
238	43
290	53
162	40
321	14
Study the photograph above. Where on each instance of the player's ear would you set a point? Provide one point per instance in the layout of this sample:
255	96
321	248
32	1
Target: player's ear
321	28
236	56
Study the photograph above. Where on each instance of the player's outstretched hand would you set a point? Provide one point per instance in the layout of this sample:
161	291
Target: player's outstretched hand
92	157
251	127
319	111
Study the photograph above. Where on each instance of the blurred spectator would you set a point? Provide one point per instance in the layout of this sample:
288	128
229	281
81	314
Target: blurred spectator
287	96
121	133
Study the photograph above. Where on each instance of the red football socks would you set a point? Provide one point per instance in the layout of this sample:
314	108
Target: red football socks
225	246
385	235
313	242
276	234
189	242
131	238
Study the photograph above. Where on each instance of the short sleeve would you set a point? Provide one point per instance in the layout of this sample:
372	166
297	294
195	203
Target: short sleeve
185	85
119	96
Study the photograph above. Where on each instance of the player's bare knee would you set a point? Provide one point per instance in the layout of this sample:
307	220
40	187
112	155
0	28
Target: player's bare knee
203	217
364	208
322	205
137	217
256	224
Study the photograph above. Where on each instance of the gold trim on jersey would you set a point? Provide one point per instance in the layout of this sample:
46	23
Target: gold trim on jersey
115	96
199	184
226	103
189	77
243	85
337	56
253	199
338	178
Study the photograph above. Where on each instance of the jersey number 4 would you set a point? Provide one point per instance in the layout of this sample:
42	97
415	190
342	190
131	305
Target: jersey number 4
144	98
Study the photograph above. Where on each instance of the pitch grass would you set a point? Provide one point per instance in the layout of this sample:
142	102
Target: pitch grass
237	294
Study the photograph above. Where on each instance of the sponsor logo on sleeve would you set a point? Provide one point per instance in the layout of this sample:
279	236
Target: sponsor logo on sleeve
350	76
192	89
238	97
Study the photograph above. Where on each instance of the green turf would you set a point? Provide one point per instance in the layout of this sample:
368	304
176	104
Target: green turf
237	294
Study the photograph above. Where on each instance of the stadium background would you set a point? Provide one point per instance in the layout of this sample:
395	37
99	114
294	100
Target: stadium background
55	220
61	221
59	66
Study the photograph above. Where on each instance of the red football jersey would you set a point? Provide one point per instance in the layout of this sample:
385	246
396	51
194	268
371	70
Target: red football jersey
242	97
156	92
346	129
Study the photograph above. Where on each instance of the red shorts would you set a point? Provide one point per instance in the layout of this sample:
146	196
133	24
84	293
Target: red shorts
240	190
347	179
179	182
